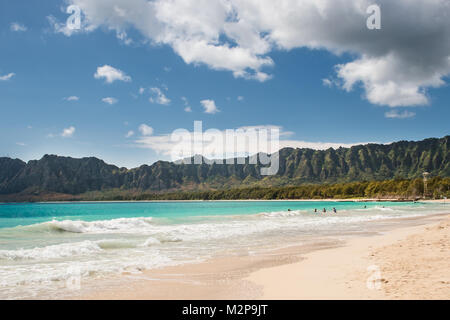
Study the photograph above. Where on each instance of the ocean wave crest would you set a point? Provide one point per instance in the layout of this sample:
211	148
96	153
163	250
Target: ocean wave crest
58	251
122	225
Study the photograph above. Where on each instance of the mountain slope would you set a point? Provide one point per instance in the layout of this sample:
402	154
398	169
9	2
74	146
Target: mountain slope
297	166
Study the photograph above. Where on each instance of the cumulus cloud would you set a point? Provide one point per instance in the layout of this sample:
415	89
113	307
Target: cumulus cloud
209	106
192	28
394	65
145	130
18	27
159	97
395	114
111	74
68	132
72	98
110	100
7	77
129	134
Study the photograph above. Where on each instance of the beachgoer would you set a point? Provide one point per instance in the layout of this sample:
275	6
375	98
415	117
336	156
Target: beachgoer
324	210
315	210
334	210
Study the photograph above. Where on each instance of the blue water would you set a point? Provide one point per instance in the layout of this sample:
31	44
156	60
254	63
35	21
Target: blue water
42	244
12	215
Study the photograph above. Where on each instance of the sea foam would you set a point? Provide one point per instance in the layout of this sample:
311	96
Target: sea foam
58	251
126	225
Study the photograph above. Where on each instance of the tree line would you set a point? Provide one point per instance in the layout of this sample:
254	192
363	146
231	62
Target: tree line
399	189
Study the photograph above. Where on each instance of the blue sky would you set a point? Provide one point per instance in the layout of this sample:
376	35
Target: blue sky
41	68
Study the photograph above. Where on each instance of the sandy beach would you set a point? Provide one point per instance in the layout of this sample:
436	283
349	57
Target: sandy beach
411	261
407	263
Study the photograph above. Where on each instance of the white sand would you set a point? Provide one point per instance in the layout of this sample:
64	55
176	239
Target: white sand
413	263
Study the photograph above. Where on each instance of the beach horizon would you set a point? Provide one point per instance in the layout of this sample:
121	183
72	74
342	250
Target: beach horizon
357	200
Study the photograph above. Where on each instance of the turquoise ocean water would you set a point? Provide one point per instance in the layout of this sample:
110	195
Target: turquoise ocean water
44	245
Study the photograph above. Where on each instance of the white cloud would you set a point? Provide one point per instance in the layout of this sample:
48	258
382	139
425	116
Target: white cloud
68	132
129	134
159	97
187	106
395	114
240	98
327	82
7	77
123	37
214	144
145	130
317	145
21	144
72	98
111	74
209	106
60	27
18	27
381	83
141	90
110	100
65	29
394	65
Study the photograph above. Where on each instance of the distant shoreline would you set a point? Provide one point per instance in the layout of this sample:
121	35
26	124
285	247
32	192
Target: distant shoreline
249	200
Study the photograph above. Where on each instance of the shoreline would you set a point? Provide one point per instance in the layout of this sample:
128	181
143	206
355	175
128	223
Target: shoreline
328	269
405	263
357	200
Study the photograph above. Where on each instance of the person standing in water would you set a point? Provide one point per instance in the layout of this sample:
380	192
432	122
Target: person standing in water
324	210
334	210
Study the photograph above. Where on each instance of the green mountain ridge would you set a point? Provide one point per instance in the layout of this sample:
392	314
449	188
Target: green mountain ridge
64	175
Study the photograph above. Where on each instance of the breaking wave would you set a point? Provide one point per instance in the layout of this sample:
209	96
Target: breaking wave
135	244
122	225
63	250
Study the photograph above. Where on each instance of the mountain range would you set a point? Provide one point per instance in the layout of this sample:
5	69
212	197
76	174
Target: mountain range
64	175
